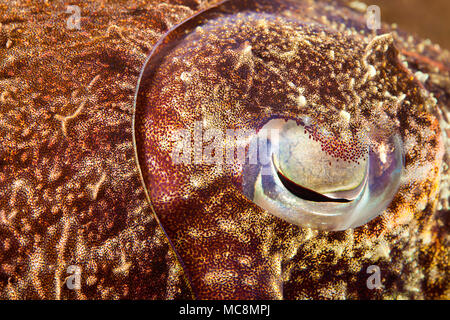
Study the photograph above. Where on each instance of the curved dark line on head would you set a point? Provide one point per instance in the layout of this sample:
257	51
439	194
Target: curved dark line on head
145	77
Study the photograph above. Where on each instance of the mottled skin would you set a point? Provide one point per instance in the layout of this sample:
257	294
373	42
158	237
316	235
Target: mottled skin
71	191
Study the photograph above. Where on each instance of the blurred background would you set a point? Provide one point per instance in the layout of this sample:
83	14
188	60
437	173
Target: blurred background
427	18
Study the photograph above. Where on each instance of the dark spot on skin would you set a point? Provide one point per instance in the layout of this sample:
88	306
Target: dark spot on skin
12	20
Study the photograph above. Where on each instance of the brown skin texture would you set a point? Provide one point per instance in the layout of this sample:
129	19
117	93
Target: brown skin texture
71	193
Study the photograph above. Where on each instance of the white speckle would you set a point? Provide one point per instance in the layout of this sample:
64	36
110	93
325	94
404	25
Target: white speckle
247	50
331	54
371	72
307	121
196	182
359	6
18	184
301	101
306	42
400	98
433	101
199	30
185	77
291	84
422	77
8	43
351	83
345	116
382	251
421	47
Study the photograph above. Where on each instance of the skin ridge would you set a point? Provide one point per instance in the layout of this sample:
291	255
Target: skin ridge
70	191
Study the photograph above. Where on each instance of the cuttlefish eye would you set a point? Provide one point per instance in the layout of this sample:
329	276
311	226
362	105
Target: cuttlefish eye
318	180
309	91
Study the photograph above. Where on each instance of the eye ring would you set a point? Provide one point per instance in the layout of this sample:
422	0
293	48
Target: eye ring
300	205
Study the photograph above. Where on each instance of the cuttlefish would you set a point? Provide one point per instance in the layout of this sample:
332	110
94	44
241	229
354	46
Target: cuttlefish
260	149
